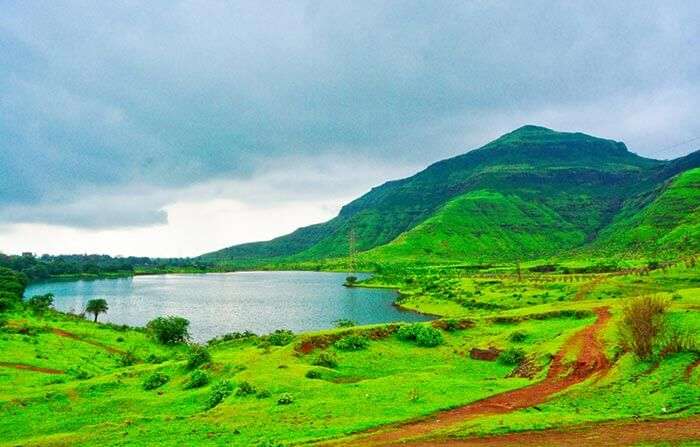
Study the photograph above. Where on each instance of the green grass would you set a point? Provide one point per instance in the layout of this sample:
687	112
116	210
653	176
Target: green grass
391	380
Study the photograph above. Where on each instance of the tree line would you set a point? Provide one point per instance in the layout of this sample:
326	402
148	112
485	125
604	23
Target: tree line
48	266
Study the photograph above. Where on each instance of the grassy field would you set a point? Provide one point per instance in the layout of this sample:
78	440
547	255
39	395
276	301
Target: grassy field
86	382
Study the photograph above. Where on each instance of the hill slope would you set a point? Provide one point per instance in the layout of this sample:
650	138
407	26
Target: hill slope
480	226
576	182
667	219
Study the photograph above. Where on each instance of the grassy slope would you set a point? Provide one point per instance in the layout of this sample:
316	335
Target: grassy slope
481	226
581	178
666	221
394	378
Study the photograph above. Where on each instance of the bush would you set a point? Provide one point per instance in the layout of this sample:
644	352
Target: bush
517	336
155	359
408	333
350	280
78	373
128	359
263	394
512	356
231	336
220	391
326	359
169	330
452	324
344	322
313	374
285	399
352	343
40	303
245	389
197	379
428	337
281	337
155	380
420	334
197	356
643	322
7	303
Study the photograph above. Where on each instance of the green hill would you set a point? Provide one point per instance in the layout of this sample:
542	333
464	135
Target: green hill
667	219
480	226
556	190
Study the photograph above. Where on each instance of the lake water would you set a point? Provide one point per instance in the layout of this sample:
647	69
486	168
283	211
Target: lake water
217	303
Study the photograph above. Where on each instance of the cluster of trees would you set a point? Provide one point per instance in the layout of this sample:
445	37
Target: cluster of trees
47	266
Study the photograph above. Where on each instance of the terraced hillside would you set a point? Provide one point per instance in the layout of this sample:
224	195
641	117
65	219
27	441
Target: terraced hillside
567	186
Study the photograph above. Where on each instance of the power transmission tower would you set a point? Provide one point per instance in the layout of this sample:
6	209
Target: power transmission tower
352	252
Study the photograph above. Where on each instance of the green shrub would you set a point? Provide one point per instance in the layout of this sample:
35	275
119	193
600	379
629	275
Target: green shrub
428	337
344	322
281	337
285	399
155	380
155	359
517	336
197	379
420	334
409	332
245	389
263	394
313	374
128	359
78	373
169	330
512	356
197	356
7	303
40	303
352	343
326	359
231	336
220	391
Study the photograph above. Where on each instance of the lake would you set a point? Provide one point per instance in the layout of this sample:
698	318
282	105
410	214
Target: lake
217	303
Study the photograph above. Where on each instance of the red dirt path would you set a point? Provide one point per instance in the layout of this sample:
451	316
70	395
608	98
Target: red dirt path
605	434
24	367
62	333
590	360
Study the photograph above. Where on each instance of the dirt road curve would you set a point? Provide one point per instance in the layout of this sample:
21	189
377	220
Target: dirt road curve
607	434
590	361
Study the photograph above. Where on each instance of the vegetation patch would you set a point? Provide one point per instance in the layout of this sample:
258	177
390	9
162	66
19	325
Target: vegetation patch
155	380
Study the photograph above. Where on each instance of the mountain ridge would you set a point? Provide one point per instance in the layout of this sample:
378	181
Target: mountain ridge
582	179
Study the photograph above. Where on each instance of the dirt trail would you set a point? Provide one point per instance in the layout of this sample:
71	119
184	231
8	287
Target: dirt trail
62	333
24	367
590	360
602	434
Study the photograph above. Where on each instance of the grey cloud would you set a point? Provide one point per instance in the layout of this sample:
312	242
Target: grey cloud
100	97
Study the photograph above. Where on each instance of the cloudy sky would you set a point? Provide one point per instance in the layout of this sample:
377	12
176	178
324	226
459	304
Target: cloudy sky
177	127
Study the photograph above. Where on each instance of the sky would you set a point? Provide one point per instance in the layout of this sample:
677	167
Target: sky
174	128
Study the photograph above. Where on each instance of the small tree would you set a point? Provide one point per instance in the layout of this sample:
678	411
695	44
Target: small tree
40	303
169	330
643	322
96	307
